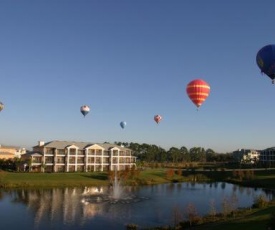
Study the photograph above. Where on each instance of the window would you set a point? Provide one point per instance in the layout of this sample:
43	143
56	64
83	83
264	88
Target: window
80	160
60	160
98	152
80	152
49	151
115	160
60	151
91	151
72	160
36	159
72	151
60	168
98	160
49	159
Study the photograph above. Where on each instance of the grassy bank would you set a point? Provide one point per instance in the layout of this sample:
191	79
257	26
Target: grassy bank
252	220
262	178
47	180
259	178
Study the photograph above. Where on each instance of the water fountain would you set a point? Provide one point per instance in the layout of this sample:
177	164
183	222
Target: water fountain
117	189
116	193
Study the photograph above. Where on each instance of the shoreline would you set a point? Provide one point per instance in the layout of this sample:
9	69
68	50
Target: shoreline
261	179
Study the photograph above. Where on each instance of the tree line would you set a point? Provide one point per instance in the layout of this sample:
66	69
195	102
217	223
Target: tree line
153	153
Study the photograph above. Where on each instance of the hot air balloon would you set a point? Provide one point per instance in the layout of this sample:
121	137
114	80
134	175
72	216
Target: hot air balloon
266	61
85	109
198	90
157	118
123	124
1	106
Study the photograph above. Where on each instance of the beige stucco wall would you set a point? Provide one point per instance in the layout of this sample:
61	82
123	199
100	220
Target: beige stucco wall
7	152
4	149
6	155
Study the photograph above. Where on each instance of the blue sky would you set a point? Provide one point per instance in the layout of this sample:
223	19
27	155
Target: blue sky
130	60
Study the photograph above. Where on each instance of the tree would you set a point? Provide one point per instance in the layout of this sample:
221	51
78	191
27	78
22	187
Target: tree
192	214
29	164
210	155
174	154
197	154
185	156
212	210
17	162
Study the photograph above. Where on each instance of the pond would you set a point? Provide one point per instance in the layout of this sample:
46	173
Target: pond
92	207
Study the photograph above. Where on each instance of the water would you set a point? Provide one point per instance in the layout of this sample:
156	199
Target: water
94	207
116	193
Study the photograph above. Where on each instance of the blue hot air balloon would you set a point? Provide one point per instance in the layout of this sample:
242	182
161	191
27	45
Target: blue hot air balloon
85	109
266	61
123	124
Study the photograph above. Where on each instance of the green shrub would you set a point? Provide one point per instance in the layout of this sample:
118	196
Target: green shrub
260	202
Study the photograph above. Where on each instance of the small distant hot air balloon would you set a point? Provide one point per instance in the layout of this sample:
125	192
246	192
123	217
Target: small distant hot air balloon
266	61
1	106
85	109
198	90
123	124
157	118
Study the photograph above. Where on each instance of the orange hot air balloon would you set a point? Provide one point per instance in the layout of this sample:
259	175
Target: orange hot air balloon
157	118
198	90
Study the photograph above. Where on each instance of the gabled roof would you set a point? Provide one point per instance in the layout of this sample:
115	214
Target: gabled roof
94	146
110	146
271	148
9	147
80	145
32	153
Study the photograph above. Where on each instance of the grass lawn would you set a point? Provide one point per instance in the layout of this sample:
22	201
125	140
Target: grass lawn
264	179
257	219
13	180
153	176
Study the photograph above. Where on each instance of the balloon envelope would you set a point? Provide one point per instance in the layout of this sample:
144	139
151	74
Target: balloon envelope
1	106
198	90
266	60
157	118
123	124
85	109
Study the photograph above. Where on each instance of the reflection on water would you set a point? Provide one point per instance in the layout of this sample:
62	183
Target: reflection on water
91	207
97	195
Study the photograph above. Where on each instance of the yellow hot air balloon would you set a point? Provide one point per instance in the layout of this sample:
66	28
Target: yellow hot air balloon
1	106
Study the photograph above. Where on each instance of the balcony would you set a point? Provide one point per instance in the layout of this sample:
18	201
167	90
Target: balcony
49	160
60	161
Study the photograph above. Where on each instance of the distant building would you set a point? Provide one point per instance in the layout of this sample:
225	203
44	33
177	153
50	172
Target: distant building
69	156
10	152
246	156
267	157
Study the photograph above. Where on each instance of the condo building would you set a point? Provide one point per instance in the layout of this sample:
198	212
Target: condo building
267	157
69	156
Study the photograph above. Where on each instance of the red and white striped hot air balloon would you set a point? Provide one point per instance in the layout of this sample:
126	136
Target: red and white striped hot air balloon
157	118
198	90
